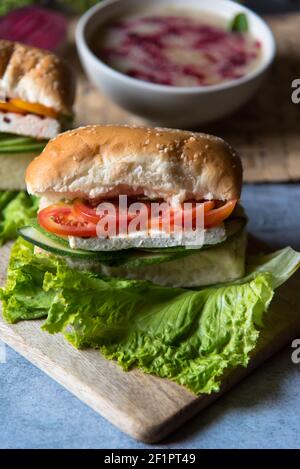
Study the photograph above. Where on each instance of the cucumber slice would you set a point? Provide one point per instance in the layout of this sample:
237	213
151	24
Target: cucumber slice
25	148
4	135
35	237
58	239
60	246
10	143
13	141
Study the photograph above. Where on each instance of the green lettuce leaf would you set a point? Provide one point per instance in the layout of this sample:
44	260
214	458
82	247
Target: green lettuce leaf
189	336
16	209
282	264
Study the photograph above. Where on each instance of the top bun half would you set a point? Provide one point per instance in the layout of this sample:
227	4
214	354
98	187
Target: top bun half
102	161
36	76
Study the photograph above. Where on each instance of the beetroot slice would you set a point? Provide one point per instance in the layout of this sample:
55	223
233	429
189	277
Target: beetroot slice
35	26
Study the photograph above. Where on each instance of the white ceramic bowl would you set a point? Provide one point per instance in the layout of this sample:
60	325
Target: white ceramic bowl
172	106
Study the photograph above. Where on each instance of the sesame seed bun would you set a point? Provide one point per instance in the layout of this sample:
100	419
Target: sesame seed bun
102	161
36	76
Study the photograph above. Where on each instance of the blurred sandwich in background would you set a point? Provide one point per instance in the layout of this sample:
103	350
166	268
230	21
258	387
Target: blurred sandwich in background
36	97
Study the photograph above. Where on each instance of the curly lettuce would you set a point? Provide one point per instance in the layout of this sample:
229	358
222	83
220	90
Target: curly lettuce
16	209
189	336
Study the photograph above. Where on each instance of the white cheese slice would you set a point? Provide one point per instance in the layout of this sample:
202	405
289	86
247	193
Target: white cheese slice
29	124
152	239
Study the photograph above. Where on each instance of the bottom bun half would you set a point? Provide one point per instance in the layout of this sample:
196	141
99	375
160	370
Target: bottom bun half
12	170
222	263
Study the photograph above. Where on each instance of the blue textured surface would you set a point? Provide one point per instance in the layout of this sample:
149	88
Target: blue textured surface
261	412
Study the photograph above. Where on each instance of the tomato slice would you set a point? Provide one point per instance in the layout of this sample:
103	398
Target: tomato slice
34	108
177	216
89	213
81	218
83	209
207	205
9	107
216	216
212	216
62	220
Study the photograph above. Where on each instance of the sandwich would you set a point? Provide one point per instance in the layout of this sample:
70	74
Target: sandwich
83	168
180	300
36	98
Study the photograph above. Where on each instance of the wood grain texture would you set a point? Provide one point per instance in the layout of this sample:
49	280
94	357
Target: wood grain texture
265	132
145	407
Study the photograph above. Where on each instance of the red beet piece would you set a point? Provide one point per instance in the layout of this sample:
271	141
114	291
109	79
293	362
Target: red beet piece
35	26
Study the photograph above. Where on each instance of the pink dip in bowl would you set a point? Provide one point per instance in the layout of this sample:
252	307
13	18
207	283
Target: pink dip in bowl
176	50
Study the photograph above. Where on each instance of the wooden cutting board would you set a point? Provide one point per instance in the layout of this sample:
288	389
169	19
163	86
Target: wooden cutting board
145	407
